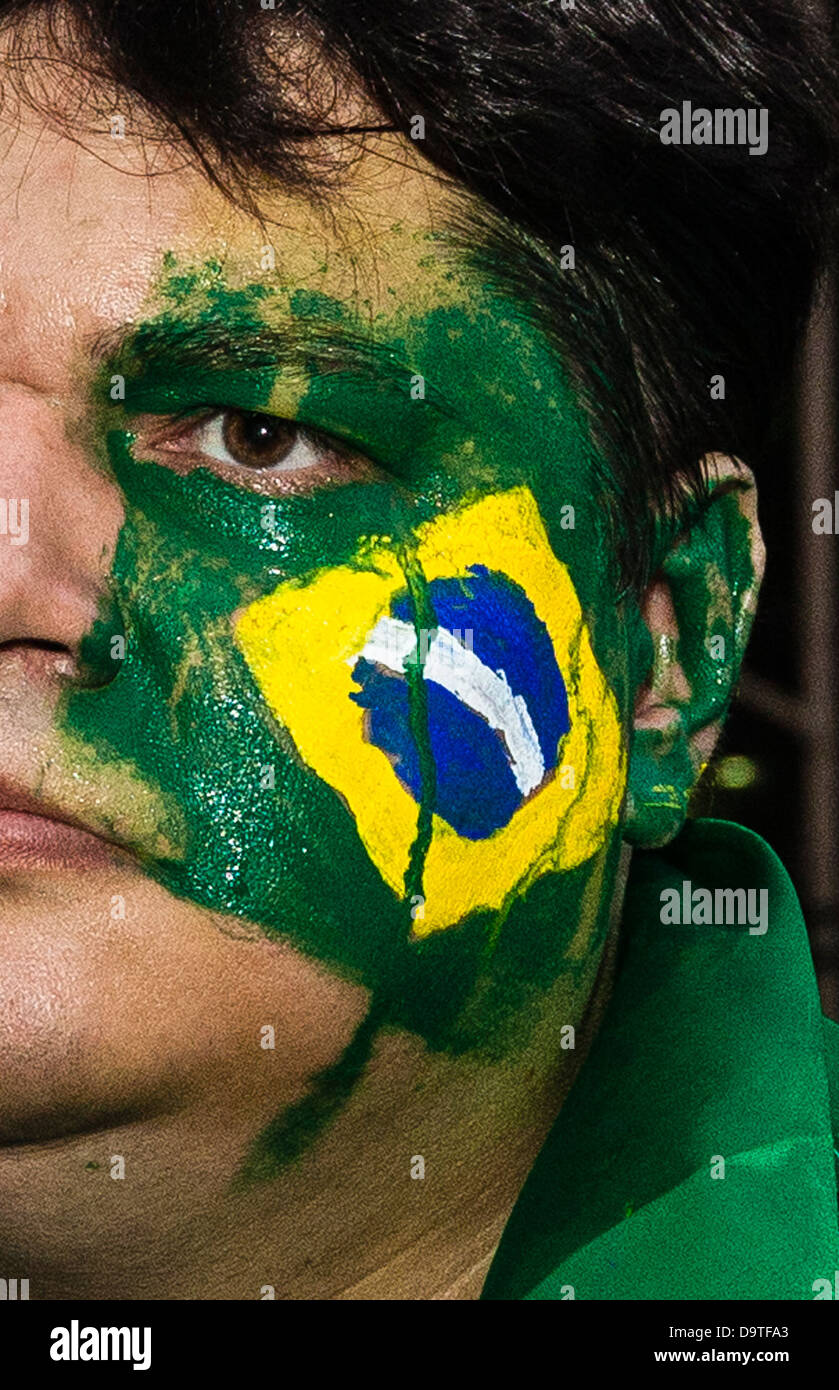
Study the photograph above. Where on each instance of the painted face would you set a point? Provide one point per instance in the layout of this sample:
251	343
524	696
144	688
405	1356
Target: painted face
356	673
362	682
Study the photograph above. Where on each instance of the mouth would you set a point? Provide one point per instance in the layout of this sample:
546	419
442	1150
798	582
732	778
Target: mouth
35	836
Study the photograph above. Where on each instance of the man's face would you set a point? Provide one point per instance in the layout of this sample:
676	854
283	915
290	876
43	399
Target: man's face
314	621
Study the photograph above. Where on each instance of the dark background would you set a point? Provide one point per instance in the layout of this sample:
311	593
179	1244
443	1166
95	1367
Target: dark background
777	768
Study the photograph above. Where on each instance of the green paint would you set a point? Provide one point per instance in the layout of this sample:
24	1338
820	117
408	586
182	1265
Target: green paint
309	304
296	1128
424	623
184	708
195	548
711	578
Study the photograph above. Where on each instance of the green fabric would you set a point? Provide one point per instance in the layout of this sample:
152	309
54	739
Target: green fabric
831	1051
713	1045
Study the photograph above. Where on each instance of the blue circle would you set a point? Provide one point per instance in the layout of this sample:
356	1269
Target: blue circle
476	790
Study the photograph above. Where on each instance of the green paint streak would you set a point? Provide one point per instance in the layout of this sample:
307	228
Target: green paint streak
424	626
288	1137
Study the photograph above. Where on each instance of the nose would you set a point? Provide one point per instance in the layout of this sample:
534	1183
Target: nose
60	515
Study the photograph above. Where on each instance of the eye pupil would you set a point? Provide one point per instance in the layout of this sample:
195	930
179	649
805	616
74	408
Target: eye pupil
257	441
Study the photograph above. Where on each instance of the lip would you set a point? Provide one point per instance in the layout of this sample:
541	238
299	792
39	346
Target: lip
35	836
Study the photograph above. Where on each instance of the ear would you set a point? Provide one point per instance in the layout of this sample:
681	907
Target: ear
698	611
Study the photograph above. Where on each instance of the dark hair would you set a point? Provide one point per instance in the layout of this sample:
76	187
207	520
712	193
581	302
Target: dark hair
690	260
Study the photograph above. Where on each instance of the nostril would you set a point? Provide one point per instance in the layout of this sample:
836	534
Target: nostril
102	649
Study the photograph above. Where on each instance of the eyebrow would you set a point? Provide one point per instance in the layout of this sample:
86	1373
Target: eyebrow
299	347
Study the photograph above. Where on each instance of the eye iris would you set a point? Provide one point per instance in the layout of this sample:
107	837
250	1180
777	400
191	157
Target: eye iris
257	441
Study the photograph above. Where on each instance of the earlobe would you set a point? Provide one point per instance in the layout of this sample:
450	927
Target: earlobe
697	613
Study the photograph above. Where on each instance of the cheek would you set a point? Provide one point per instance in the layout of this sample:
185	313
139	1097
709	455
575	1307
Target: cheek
260	835
84	1039
452	698
408	762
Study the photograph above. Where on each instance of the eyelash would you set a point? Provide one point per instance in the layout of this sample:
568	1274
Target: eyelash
339	462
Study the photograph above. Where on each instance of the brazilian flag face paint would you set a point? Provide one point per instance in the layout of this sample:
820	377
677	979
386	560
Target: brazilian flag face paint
387	715
520	728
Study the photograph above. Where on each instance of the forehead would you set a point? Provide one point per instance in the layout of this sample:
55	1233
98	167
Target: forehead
87	221
102	236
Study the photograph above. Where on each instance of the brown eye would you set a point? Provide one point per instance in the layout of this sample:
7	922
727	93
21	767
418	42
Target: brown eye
257	441
264	452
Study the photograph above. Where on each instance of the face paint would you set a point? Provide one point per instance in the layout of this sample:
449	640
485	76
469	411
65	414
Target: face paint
528	766
390	718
